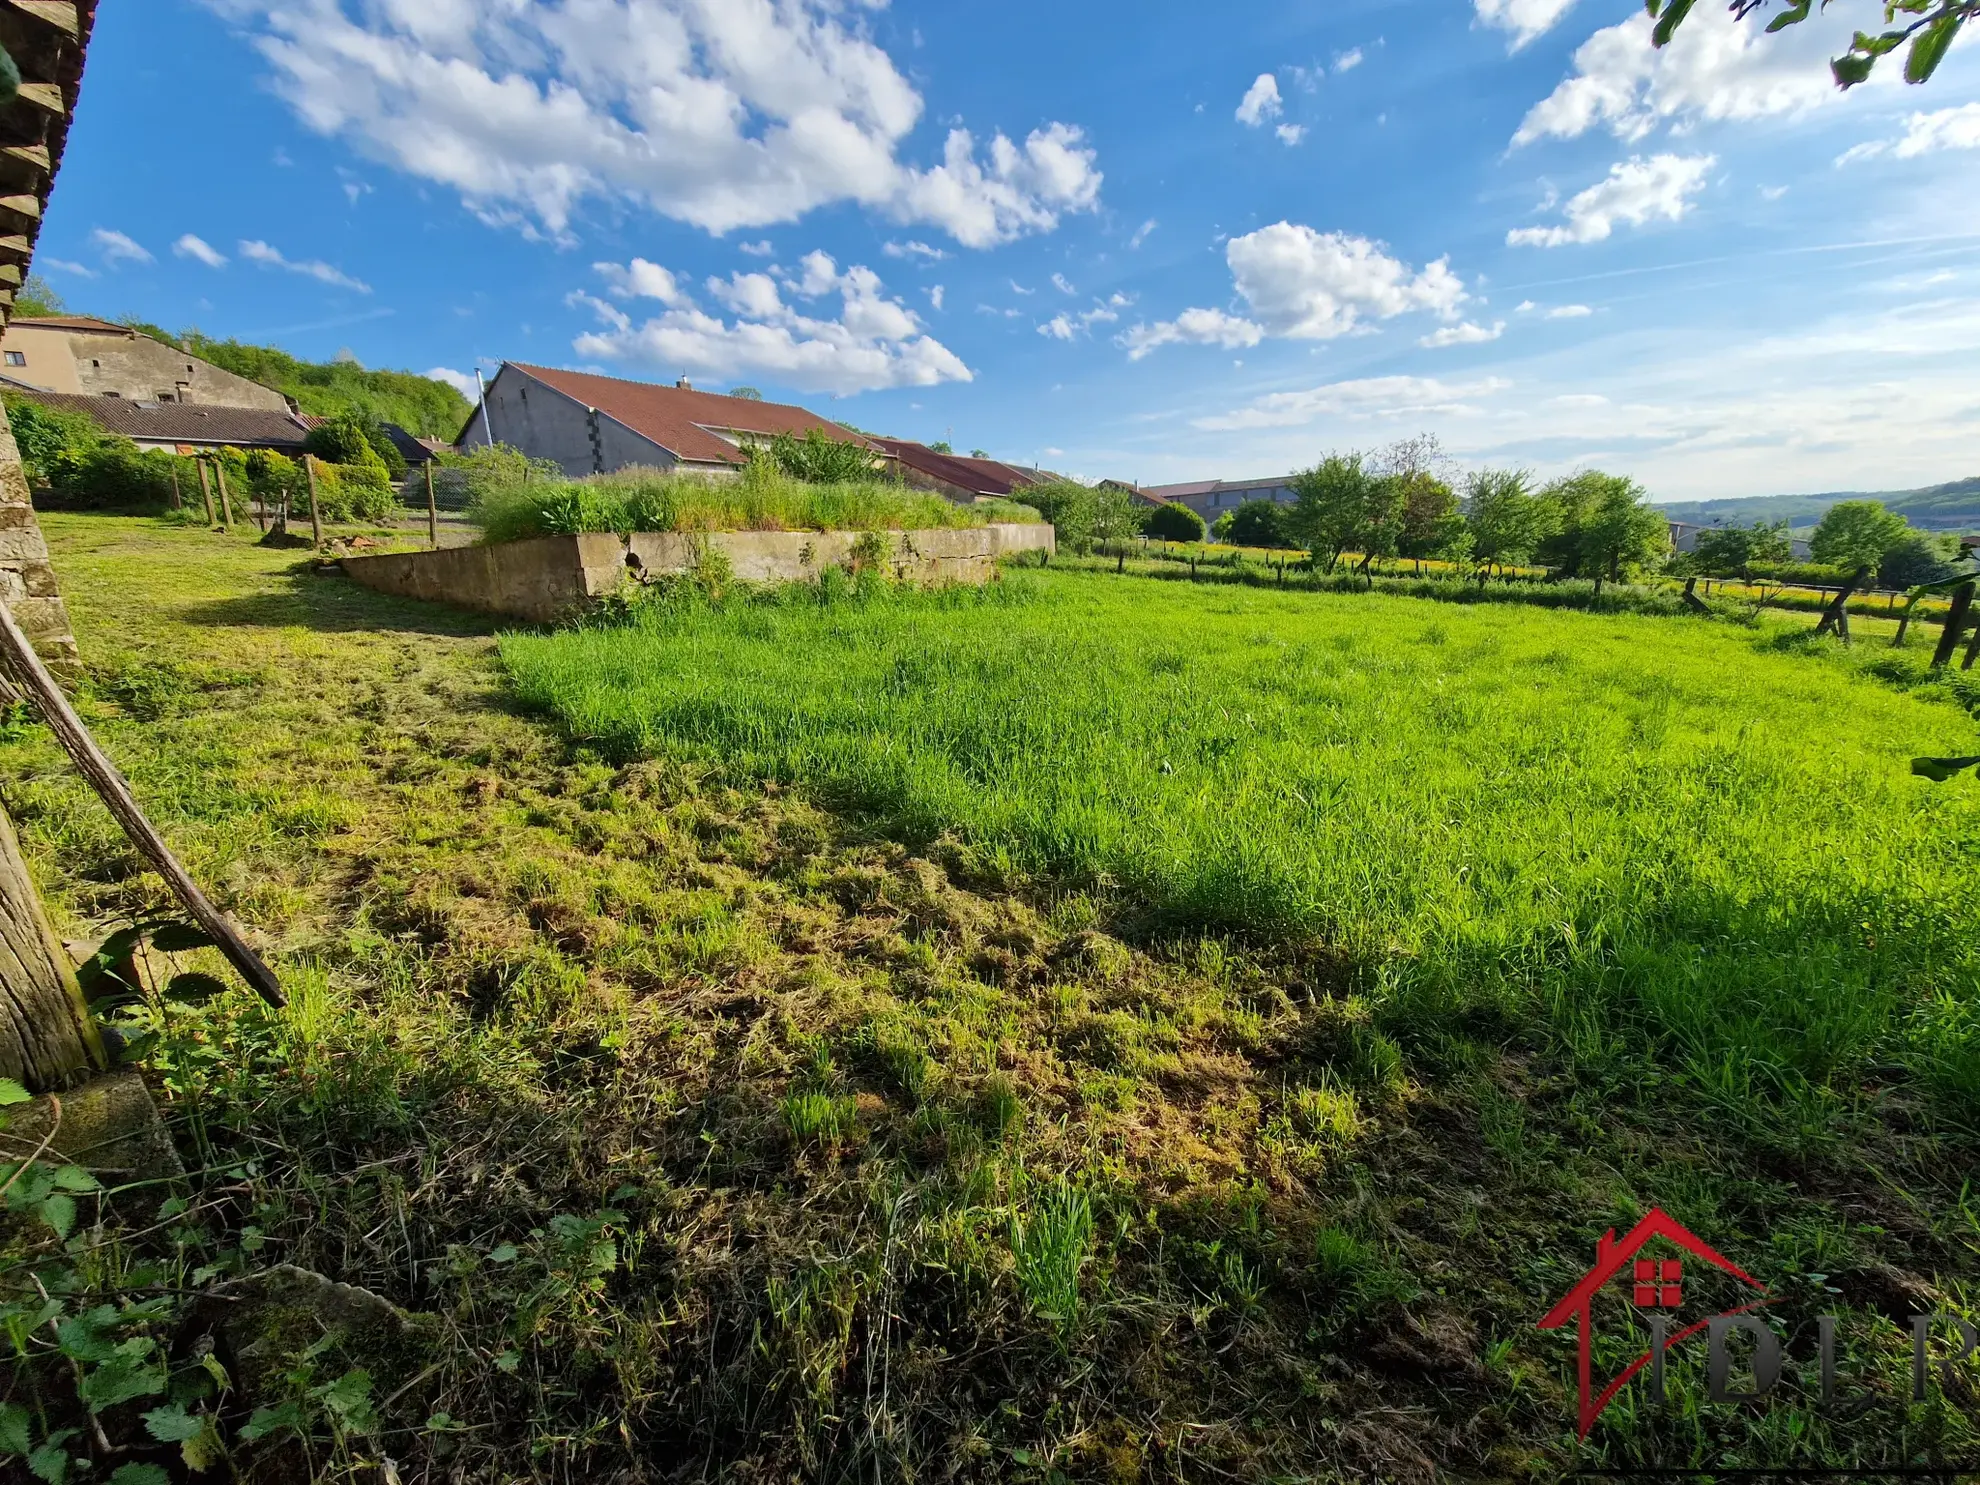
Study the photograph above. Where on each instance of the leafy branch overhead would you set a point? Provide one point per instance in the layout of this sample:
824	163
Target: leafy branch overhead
1926	27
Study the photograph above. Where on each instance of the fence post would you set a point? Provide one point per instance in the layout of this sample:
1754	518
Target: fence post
178	501
220	491
205	489
432	510
1962	604
315	519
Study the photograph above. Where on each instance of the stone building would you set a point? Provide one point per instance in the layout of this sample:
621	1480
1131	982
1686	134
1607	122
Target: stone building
83	357
597	424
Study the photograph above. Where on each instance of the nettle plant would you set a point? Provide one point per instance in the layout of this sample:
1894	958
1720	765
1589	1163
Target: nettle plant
95	1281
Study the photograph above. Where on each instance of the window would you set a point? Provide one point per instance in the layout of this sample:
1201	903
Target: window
17	358
96	366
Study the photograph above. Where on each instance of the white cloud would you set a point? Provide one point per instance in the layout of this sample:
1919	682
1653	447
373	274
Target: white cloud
117	248
640	279
1374	397
1291	134
935	296
874	342
757	249
316	268
1059	327
1062	284
460	381
1193	327
1925	133
1350	59
1071	326
1636	191
1141	234
1021	290
190	246
1262	102
1716	69
1464	333
1772	193
913	250
1526	19
1570	312
724	114
1305	285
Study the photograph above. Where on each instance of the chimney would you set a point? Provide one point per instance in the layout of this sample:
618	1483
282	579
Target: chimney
684	385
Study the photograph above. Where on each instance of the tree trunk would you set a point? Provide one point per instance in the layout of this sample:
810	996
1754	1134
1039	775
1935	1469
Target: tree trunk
1962	605
1836	616
47	1041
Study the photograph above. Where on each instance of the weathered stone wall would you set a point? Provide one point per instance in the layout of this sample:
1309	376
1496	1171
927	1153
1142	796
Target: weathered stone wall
27	580
97	363
552	577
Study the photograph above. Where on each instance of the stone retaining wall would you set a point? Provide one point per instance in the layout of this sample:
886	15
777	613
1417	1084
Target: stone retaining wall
547	578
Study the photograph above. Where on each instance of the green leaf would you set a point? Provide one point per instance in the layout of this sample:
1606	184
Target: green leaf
14	1422
195	987
172	1425
1930	49
267	1421
1674	13
59	1212
75	1178
1794	15
502	1253
87	1337
1851	70
51	1461
120	1381
177	938
140	1474
1941	770
12	1093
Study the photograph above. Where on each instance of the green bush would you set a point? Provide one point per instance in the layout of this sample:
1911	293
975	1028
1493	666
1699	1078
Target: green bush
113	475
816	459
1257	523
1815	574
1173	523
354	492
44	434
357	441
1083	515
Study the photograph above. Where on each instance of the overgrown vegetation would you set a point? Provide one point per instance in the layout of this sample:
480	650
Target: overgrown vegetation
723	1135
82	466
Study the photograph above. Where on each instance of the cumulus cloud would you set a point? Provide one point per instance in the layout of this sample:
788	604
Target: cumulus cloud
460	381
316	268
912	250
1063	284
1072	326
1637	191
1363	400
1262	102
724	114
640	279
199	250
1924	134
1715	69
1300	284
874	340
1350	59
1527	20
117	248
1291	134
1464	333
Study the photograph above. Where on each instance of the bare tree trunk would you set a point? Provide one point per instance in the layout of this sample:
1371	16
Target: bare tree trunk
1962	605
47	1041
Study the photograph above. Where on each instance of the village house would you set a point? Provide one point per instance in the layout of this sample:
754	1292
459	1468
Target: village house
958	478
76	356
588	424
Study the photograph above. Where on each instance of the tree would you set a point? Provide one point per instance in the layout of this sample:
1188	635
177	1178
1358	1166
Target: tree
37	299
1599	526
944	447
1857	534
1256	523
1082	515
747	394
1168	522
1928	37
1432	523
1345	506
1506	520
1731	551
342	440
1918	558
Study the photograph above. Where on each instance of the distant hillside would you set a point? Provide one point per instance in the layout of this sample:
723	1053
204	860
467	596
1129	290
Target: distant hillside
1951	507
416	403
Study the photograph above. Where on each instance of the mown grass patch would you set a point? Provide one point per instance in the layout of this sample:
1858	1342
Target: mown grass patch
1664	835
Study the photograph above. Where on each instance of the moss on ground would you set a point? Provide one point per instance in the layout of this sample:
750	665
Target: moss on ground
731	1142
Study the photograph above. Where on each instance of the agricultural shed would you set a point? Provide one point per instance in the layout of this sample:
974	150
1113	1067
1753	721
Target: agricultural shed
589	424
1213	498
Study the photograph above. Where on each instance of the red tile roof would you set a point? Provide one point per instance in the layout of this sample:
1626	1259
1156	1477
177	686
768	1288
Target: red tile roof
183	422
978	476
679	421
72	322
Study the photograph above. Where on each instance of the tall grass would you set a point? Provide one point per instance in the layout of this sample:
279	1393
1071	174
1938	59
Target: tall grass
760	500
1662	835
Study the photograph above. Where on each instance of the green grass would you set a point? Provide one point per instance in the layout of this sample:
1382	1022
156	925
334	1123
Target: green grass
727	1135
1655	831
759	500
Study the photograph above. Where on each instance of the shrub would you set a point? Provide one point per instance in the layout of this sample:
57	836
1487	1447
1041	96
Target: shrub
1256	523
816	459
1173	523
1082	515
1818	574
114	475
1918	559
44	434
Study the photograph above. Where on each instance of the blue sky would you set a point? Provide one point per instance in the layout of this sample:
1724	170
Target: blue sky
1142	242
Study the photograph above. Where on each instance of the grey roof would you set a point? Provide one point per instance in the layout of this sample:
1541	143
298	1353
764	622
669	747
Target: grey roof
184	422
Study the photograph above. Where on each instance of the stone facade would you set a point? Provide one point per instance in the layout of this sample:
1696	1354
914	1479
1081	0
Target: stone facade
96	359
27	580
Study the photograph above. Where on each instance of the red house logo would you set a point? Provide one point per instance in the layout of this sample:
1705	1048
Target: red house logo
1655	1285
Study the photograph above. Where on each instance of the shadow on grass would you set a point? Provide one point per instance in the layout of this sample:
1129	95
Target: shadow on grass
308	598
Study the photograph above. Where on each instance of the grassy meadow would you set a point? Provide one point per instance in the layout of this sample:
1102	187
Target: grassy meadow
1659	833
1098	1030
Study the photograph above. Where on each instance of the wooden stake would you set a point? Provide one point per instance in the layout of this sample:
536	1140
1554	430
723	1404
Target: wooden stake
178	503
220	484
24	667
1972	650
432	511
48	1038
315	519
205	489
1962	605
